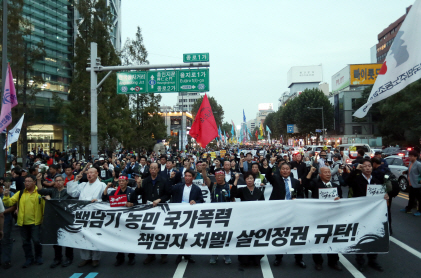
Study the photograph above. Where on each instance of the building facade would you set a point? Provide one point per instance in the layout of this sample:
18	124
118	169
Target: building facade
185	101
387	36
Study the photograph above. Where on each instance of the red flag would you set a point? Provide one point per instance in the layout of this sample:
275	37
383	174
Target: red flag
257	135
204	127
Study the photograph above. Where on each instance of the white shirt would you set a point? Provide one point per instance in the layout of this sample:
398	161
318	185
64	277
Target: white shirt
111	167
163	167
227	177
1	206
142	168
368	179
186	193
184	170
86	191
287	180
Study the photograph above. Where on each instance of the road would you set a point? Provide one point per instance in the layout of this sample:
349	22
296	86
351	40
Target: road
403	260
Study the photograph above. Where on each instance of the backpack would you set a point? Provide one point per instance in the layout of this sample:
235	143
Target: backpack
395	185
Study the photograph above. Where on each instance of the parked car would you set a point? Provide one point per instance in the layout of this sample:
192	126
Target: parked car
390	151
397	166
316	148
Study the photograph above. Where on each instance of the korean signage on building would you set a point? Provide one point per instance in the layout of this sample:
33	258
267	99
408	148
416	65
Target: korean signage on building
340	80
364	74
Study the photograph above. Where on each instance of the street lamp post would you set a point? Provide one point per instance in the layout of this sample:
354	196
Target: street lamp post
323	121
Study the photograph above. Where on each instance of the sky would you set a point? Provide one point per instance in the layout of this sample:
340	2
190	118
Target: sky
252	44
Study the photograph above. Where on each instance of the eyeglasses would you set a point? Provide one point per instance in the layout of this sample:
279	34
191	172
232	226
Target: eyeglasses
59	180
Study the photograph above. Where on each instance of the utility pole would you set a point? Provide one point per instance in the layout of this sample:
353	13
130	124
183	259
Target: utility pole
3	81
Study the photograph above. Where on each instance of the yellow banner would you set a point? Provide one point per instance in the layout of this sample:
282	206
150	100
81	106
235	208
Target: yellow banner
213	154
222	153
364	74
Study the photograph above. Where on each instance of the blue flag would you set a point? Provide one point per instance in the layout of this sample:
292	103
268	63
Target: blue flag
268	130
244	116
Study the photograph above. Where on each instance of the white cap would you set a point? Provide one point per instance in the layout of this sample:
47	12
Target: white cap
101	158
31	153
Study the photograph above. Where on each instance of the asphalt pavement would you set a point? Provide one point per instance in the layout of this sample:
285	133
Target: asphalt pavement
403	260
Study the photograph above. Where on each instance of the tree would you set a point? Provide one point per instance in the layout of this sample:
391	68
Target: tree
147	125
218	111
270	121
308	120
227	127
113	116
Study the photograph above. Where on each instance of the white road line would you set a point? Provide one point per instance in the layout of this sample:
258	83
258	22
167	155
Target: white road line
181	268
406	247
350	267
266	270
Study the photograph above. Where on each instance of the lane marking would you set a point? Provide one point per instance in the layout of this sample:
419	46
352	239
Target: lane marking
266	270
181	268
92	275
406	247
76	275
405	194
403	197
350	267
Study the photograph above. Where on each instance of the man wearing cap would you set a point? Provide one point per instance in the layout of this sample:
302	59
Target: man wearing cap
220	192
154	190
382	160
88	191
122	189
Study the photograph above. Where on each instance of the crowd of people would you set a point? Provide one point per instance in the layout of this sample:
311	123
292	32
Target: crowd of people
154	178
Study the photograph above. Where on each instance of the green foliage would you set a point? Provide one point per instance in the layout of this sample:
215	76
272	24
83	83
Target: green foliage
113	110
218	111
308	120
227	128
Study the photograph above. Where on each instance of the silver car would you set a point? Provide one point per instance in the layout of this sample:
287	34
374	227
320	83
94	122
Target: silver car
396	166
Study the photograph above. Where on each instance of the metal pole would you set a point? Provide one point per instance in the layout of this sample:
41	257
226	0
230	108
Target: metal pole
94	102
323	125
147	67
4	70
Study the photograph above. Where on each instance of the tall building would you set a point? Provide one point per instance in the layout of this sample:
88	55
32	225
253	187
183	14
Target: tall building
185	101
55	22
386	37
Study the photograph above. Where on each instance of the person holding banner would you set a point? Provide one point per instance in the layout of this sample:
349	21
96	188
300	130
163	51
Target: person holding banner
317	187
220	192
154	190
58	192
87	191
131	200
187	193
286	187
358	180
247	193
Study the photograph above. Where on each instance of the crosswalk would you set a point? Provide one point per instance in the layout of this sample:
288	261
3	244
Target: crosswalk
80	275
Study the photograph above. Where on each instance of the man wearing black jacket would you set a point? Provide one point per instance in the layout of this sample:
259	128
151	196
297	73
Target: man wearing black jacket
154	189
358	180
286	187
186	192
323	181
122	189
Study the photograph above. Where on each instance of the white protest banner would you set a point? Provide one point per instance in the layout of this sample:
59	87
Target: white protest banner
375	190
355	225
328	193
257	182
204	188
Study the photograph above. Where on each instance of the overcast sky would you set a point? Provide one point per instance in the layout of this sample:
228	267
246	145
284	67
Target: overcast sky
253	44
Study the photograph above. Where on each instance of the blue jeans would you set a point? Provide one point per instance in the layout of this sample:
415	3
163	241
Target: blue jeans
6	243
28	233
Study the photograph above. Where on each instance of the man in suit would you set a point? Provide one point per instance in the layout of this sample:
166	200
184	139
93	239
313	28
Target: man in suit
168	175
163	162
245	165
131	166
323	181
357	180
229	174
286	187
186	166
142	169
187	192
154	189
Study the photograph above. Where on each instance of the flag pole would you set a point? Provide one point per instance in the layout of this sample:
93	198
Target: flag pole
5	161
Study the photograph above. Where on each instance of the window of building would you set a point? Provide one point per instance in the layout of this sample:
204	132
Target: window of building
357	130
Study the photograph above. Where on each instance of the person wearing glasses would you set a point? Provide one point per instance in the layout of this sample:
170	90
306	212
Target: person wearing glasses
58	192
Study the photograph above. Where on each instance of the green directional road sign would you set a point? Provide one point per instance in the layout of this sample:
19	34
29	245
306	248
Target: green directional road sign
195	57
133	82
162	81
195	80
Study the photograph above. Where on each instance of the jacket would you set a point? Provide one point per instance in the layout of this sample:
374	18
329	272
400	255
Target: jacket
39	206
315	184
177	193
414	174
278	184
150	192
130	193
217	195
55	194
358	183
